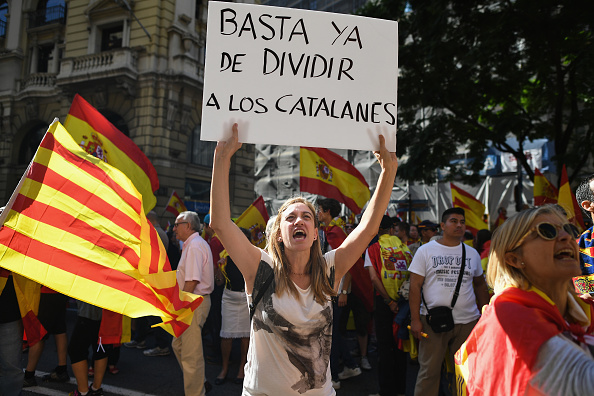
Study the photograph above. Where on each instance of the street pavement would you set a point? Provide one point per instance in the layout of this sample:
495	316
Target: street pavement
161	376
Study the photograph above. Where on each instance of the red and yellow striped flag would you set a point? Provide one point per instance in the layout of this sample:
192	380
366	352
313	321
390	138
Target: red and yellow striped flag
567	201
544	191
326	173
100	138
175	205
254	219
76	225
474	209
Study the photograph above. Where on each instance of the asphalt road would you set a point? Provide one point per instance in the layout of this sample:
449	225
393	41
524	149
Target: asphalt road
142	375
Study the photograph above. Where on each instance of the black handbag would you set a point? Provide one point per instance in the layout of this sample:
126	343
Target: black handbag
441	318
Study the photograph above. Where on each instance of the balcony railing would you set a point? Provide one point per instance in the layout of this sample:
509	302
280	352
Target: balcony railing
39	81
107	64
46	16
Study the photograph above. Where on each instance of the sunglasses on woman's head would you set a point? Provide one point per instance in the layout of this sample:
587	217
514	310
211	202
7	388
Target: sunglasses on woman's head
548	232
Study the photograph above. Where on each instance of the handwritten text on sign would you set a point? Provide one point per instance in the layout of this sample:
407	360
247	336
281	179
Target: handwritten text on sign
299	78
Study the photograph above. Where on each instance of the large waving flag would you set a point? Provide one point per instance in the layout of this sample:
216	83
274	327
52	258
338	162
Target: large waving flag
326	173
544	191
76	225
175	204
100	138
567	200
474	209
254	219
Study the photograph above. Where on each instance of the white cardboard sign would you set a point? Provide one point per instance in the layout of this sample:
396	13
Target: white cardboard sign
299	78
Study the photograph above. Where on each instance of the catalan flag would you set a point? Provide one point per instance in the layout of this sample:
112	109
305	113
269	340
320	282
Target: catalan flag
76	225
175	204
100	138
254	219
326	173
544	191
567	200
474	209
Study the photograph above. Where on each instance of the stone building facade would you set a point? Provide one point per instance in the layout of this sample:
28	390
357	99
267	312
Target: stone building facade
140	63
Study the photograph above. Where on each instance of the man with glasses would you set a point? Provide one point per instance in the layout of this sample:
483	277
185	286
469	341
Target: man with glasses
434	274
195	274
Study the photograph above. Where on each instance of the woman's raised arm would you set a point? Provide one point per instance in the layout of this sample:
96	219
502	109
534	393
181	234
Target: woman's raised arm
356	243
245	255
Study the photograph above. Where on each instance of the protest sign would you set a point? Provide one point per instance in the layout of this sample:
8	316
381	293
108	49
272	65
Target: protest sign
299	78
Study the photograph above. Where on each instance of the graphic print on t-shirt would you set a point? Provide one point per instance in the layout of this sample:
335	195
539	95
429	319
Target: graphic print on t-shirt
307	345
393	258
447	270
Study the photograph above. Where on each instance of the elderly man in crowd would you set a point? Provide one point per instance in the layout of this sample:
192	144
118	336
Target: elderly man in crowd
195	274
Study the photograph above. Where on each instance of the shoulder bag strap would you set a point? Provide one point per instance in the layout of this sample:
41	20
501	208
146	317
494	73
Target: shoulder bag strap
457	291
261	292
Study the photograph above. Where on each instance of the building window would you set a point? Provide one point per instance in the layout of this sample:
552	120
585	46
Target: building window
112	37
50	11
197	190
30	143
200	152
44	54
3	12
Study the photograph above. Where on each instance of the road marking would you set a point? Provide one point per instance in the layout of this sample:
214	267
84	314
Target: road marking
106	388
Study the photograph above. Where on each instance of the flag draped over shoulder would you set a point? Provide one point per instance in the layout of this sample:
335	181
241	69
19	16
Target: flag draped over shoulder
77	226
567	200
585	282
175	205
474	209
326	173
100	138
544	191
254	219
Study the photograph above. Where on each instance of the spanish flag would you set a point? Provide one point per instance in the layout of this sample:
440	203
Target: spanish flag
567	200
175	204
100	138
544	191
76	225
27	294
500	220
474	209
326	173
254	219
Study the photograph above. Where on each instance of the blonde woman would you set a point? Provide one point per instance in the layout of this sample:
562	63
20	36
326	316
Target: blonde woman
535	337
292	326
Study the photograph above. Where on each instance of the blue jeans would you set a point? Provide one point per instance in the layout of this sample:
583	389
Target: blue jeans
339	346
11	372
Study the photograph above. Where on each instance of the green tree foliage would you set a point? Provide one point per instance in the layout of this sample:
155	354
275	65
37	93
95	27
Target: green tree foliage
475	72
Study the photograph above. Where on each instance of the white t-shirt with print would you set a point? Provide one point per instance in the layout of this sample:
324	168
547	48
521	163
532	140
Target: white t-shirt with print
440	265
290	341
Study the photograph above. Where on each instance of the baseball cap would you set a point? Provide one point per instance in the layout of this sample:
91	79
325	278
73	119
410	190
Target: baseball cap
207	219
425	224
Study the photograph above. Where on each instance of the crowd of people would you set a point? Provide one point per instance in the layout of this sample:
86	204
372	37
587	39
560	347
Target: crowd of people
497	315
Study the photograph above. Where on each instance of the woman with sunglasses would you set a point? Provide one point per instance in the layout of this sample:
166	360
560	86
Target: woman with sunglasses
291	329
535	337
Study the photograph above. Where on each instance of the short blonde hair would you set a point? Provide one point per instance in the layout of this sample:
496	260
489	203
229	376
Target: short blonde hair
505	238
